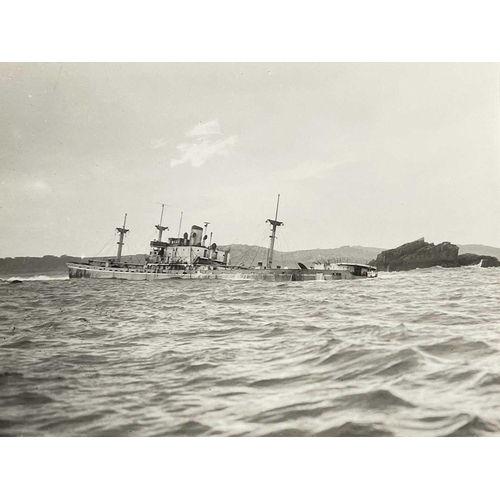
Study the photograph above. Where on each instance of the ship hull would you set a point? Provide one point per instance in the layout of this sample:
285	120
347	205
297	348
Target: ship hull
94	272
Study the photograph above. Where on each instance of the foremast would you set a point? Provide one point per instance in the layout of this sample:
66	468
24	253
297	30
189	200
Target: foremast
159	226
122	231
274	224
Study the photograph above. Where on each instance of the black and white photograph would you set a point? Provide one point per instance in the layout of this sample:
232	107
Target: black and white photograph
212	248
250	249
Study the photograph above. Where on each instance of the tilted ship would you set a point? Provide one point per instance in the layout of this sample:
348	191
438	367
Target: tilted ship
189	257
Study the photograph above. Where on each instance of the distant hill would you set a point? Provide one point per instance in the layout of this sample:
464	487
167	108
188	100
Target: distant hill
48	265
251	255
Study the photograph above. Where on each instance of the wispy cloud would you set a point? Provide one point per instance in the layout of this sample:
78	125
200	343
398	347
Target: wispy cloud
208	128
203	147
314	170
199	153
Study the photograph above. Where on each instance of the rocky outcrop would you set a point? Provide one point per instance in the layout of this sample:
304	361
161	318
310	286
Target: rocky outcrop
471	259
420	254
417	254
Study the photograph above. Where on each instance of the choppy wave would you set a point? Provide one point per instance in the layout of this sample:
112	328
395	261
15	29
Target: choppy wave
407	354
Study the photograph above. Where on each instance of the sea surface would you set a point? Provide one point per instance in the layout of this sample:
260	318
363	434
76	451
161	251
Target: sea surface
407	354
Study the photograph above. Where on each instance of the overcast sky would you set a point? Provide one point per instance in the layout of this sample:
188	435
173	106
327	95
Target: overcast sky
362	154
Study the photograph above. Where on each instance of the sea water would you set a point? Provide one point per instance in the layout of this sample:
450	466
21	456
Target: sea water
407	354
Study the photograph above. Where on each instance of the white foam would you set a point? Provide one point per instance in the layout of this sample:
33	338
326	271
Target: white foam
40	277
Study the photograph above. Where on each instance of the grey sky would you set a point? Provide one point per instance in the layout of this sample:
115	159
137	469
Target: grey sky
362	154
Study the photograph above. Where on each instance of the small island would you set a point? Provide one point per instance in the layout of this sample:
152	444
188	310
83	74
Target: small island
420	254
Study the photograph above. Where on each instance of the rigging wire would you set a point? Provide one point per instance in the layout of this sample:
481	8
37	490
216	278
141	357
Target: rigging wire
106	246
284	247
135	258
261	236
260	250
292	256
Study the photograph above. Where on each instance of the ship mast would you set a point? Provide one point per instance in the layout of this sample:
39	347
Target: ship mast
122	232
159	226
180	223
274	224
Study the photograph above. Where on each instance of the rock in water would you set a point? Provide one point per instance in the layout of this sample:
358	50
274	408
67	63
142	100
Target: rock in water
420	254
488	261
471	259
417	254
